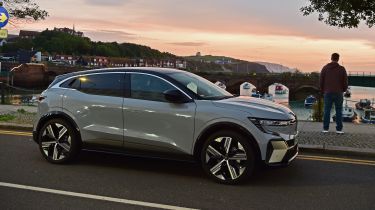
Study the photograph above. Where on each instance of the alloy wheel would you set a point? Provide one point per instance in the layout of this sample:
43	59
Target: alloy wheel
226	158
56	141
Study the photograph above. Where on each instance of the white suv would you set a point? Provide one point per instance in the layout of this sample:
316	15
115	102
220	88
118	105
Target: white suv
163	110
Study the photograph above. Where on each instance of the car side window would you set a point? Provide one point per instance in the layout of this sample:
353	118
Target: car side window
100	84
68	83
147	87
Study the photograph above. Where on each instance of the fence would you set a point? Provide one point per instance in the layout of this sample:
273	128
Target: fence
361	73
16	95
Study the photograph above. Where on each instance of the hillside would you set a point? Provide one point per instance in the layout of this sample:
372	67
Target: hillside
277	68
55	42
229	64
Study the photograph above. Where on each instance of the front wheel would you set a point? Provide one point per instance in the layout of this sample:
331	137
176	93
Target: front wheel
58	141
228	157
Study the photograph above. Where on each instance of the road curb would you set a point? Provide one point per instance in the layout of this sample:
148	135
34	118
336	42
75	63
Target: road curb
337	150
16	127
322	149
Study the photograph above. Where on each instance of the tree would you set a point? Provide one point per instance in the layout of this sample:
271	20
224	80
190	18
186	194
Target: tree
25	10
343	13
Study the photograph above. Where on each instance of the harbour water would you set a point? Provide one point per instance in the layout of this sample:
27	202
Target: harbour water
357	94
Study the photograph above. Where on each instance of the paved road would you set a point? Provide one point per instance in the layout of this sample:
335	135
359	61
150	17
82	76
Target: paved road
309	183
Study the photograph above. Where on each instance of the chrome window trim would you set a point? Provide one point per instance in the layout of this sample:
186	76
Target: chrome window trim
57	85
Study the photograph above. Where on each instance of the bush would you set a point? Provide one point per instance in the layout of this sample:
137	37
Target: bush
6	117
21	111
318	111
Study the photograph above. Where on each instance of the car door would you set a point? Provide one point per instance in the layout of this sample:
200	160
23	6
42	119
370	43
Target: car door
151	121
95	101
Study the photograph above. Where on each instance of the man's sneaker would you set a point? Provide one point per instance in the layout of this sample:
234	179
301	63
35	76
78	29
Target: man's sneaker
325	131
340	132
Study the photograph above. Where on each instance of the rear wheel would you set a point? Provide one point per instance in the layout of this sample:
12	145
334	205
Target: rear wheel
58	141
228	157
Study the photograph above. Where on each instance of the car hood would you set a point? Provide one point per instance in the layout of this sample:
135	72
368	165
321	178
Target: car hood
256	107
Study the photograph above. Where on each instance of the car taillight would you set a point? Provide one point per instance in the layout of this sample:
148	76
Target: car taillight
41	98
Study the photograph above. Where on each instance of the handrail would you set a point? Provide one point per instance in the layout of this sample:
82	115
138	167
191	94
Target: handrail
361	73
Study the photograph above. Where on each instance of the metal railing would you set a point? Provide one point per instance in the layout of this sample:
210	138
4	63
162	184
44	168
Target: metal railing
361	73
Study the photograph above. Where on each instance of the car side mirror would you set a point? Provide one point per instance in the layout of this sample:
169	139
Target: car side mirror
175	96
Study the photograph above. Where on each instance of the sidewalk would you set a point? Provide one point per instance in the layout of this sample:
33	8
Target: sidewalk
5	109
358	138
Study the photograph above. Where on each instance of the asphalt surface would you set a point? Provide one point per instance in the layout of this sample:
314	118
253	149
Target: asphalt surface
309	183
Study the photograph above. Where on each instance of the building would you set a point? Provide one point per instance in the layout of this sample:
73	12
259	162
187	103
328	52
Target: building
28	34
69	31
68	59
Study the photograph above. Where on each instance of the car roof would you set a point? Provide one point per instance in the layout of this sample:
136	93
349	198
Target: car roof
126	69
154	70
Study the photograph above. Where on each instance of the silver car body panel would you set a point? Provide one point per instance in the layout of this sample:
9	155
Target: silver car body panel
99	118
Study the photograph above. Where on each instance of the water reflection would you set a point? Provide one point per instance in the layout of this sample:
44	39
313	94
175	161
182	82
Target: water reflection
357	94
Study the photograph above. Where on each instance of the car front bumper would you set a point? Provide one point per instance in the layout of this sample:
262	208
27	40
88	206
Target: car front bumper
281	152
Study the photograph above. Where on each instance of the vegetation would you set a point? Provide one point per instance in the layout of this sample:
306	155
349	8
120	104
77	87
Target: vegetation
343	14
215	63
55	42
318	111
21	111
6	117
25	10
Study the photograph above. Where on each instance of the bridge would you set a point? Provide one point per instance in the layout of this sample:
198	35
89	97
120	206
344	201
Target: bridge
364	79
300	84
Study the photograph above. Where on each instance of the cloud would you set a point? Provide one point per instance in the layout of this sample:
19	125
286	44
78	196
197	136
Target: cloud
106	2
188	44
118	32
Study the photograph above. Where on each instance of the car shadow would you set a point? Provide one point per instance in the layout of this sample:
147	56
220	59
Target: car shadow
299	173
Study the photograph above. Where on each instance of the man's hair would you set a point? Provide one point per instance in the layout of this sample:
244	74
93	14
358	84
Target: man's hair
335	57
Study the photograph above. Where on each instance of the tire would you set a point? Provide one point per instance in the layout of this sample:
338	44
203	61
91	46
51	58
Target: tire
59	141
228	157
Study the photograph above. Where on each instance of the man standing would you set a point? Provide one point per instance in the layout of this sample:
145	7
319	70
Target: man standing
333	83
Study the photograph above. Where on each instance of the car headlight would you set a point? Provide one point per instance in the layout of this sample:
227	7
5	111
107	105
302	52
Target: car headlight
270	126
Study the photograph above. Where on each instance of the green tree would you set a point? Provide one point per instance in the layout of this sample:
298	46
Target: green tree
25	10
343	13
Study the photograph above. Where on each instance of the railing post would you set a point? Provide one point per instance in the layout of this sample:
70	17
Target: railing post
2	86
320	106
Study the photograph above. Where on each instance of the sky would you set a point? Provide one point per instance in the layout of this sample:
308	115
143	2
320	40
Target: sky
268	30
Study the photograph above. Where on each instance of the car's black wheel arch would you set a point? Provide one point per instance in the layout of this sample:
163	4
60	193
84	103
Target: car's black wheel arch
60	115
225	126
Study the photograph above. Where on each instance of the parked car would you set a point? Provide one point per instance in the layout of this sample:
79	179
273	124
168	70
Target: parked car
163	110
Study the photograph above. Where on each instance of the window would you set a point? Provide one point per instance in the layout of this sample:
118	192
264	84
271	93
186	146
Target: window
68	83
200	86
99	84
147	87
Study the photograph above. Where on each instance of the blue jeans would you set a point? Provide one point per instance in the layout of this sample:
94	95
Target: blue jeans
329	100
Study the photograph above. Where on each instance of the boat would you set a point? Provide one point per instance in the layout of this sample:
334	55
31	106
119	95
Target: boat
310	101
268	96
256	95
348	113
363	104
368	116
221	85
348	93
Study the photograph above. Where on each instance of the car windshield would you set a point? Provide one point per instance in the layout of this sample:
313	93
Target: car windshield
200	86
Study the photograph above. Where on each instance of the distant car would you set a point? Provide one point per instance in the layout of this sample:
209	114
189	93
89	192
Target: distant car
163	110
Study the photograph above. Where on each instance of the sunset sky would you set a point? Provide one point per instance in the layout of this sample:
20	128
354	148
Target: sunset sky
268	30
